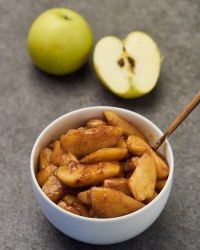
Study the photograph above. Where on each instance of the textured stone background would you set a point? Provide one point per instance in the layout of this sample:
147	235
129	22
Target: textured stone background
29	100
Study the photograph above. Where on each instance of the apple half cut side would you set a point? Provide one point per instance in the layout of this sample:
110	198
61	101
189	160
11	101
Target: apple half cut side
129	68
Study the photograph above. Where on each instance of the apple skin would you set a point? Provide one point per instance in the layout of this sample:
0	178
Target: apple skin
59	41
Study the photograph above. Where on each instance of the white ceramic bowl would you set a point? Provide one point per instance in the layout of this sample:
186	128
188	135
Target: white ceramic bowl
91	230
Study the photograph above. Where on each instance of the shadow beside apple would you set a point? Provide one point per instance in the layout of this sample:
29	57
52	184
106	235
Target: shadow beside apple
141	103
73	78
101	95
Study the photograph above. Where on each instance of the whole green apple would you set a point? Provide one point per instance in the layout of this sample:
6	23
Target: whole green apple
59	41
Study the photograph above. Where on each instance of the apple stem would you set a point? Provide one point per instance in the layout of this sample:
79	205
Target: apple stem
67	18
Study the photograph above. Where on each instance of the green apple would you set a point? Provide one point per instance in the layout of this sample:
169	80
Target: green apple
129	68
59	41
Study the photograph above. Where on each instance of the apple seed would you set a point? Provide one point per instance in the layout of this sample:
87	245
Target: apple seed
131	61
121	62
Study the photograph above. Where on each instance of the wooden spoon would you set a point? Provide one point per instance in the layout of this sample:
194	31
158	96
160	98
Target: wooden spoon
178	120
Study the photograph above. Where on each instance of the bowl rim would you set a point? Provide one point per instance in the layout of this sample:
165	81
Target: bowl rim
99	220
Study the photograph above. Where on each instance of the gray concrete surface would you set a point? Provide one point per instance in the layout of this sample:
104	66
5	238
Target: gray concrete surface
29	100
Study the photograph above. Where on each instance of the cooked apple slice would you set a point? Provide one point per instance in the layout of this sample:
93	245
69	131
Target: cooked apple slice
85	197
57	153
68	208
120	184
129	68
44	158
82	142
127	127
95	122
108	203
77	175
45	173
54	188
139	147
105	154
72	204
59	157
143	180
161	165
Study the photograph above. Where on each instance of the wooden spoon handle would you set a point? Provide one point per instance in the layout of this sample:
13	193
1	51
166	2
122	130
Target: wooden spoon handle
178	120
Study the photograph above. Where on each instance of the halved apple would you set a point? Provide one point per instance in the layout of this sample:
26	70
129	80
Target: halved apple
129	68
